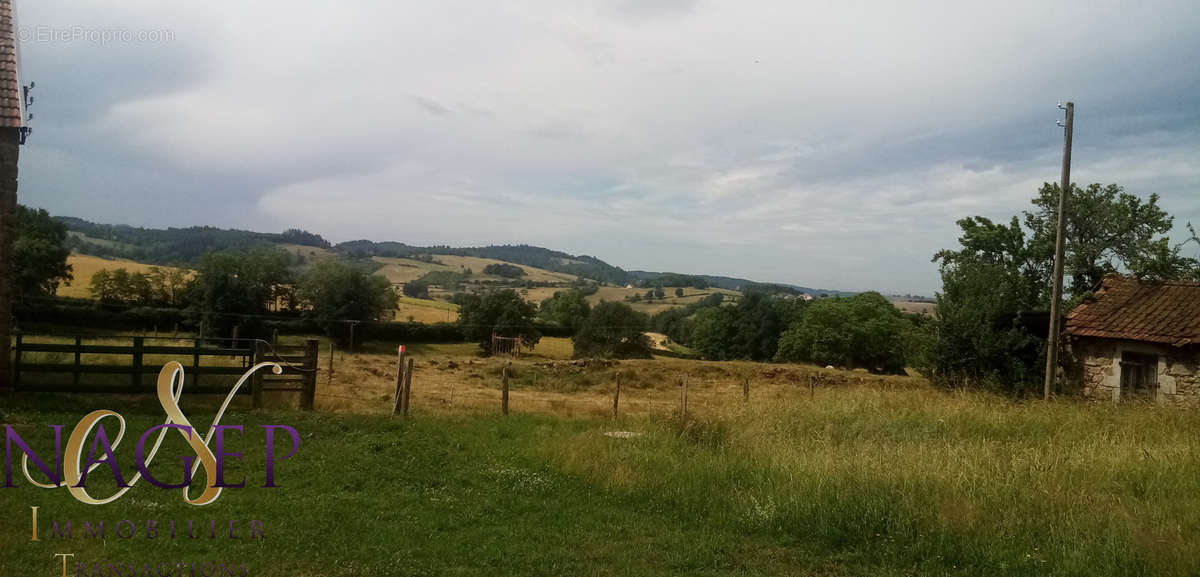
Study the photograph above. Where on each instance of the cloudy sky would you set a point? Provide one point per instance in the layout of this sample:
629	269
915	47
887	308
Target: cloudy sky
829	144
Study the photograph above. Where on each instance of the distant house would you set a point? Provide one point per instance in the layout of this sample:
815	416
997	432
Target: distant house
1138	340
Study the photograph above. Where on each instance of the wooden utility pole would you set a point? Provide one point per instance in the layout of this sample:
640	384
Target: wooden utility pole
1064	189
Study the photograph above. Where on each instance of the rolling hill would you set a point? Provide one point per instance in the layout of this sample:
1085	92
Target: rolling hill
399	262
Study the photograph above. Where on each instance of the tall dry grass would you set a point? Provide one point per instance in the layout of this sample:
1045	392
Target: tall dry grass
913	476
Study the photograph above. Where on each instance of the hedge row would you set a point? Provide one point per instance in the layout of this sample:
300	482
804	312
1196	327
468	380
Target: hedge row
78	313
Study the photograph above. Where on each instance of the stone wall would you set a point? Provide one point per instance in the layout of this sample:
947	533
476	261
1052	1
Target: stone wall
9	150
1096	369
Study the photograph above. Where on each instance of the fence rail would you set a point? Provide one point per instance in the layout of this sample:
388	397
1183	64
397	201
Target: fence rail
299	366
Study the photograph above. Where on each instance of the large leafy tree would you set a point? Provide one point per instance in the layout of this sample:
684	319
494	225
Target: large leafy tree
335	290
749	330
233	288
1107	230
40	253
863	331
613	330
1001	274
500	312
567	308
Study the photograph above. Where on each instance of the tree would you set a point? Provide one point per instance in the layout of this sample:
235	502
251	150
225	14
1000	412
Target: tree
659	293
865	331
675	323
40	253
713	332
168	285
504	269
1001	274
679	291
232	288
498	312
1107	230
335	290
749	330
978	336
613	330
416	290
567	308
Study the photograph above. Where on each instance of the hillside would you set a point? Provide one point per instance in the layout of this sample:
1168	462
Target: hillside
84	266
401	262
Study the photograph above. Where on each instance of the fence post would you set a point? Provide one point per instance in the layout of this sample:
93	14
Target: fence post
135	380
683	399
504	389
309	392
75	374
408	372
399	398
617	395
330	377
260	355
16	378
196	363
746	389
234	345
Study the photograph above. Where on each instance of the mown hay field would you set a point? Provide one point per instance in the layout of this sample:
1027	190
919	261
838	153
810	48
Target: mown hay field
84	266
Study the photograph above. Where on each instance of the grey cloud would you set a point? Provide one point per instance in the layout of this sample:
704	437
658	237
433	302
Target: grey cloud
830	145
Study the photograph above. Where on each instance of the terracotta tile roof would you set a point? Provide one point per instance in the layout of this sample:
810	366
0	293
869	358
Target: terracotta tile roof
10	83
1152	311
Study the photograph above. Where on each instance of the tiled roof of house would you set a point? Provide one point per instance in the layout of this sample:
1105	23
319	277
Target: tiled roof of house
1152	311
10	84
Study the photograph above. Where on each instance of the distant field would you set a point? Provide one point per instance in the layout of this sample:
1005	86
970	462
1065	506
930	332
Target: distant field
309	252
84	266
476	265
426	311
917	307
403	270
101	242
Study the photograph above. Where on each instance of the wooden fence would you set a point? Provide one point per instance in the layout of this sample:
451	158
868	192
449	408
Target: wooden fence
132	369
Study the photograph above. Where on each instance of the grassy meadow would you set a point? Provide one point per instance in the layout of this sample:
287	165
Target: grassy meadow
821	472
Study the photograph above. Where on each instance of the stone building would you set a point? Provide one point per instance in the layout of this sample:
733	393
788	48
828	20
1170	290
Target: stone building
1138	340
12	128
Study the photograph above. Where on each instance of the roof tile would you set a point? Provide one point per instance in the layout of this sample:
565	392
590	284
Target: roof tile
1152	311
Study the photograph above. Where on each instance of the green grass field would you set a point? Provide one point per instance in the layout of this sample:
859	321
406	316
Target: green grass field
855	480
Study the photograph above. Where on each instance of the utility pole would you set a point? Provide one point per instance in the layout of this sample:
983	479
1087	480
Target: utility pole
1064	189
